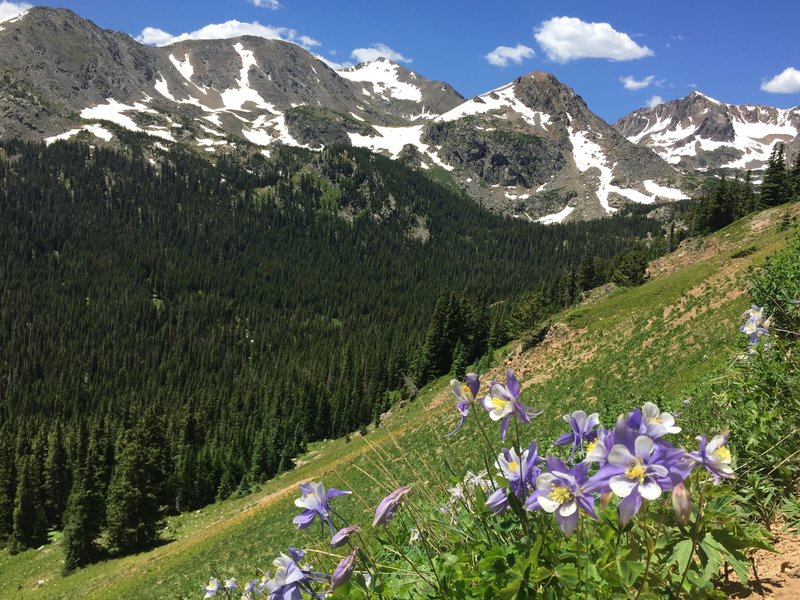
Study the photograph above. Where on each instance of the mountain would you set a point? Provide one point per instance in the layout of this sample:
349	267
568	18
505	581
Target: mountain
531	148
698	132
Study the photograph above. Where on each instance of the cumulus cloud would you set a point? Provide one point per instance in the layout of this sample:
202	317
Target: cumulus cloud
377	51
273	4
655	101
787	82
336	66
502	55
634	84
228	29
9	10
568	38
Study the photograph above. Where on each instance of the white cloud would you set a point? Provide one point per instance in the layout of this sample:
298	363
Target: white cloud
787	82
336	66
568	38
502	55
377	51
9	10
273	4
655	101
226	30
633	84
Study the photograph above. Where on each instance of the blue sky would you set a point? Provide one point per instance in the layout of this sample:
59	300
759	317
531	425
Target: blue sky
736	51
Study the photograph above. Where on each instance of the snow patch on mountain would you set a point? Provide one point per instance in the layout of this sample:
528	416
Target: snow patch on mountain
236	98
503	100
393	139
558	217
114	112
384	76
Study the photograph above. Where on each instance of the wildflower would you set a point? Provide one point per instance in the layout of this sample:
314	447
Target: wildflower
344	570
465	393
388	506
212	588
497	502
288	577
681	503
342	536
314	500
231	584
582	431
638	468
650	421
755	313
597	450
714	456
416	535
502	402
755	329
520	470
560	491
297	554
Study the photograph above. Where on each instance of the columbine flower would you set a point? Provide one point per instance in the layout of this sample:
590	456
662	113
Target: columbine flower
341	537
652	422
637	469
755	312
520	470
212	588
582	427
682	504
497	502
597	450
465	393
714	456
288	577
388	507
344	570
559	491
314	500
755	329
231	584
502	402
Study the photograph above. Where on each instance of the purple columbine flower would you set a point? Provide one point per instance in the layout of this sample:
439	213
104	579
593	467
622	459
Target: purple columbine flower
560	491
314	500
520	470
388	506
714	456
285	585
650	421
755	312
597	450
638	468
582	431
344	570
497	502
212	588
502	402
465	393
755	329
341	537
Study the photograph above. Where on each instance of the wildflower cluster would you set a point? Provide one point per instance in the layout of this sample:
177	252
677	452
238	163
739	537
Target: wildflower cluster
754	325
291	580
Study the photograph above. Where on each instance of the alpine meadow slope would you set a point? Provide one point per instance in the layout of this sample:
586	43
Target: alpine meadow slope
658	342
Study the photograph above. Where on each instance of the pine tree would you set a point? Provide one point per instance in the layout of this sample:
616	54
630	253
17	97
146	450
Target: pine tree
56	478
30	522
8	486
794	177
133	507
776	187
80	528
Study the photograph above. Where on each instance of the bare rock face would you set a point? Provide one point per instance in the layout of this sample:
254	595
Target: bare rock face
700	132
531	148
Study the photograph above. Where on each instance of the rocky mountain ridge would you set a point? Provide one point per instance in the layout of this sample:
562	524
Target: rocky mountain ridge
531	148
698	132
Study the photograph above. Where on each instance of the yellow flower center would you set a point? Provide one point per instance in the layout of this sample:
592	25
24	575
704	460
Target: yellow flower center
513	466
723	454
592	445
498	403
465	390
560	494
654	420
636	471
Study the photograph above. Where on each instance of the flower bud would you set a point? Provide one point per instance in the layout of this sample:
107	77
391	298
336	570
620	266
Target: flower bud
605	499
682	503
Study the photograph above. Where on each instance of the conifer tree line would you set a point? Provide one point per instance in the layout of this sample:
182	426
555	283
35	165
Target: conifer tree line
177	332
731	199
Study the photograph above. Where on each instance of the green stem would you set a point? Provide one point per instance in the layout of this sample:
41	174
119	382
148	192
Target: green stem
651	552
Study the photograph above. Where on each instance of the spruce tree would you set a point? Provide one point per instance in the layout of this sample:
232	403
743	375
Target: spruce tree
56	478
8	486
81	529
776	187
135	495
30	522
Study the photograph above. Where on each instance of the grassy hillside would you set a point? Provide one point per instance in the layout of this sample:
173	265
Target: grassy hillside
655	342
